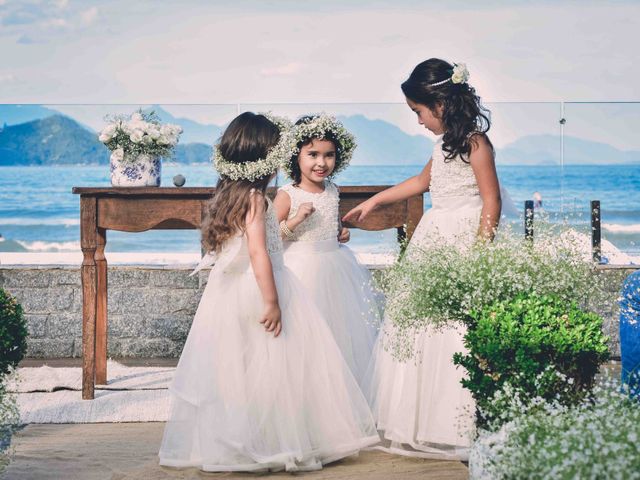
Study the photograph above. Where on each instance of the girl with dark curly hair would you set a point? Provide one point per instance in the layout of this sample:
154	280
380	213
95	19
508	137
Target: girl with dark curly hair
420	406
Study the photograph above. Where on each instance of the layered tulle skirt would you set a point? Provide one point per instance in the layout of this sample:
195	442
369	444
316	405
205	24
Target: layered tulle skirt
420	406
343	291
246	401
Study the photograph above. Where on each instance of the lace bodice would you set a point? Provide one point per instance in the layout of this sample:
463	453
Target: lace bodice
274	240
321	224
451	178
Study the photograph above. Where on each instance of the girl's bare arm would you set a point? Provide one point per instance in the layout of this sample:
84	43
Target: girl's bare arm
484	168
412	186
261	263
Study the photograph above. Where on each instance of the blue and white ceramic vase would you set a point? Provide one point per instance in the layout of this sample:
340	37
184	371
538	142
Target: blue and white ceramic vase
141	171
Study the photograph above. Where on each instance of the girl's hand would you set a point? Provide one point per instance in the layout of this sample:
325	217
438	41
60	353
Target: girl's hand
359	213
344	236
271	319
304	211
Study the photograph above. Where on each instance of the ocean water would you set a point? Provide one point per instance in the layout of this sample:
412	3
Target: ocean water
39	213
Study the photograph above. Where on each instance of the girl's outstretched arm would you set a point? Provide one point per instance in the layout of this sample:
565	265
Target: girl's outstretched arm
484	168
261	263
410	187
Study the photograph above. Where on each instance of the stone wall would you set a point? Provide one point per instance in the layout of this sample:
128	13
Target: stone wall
150	308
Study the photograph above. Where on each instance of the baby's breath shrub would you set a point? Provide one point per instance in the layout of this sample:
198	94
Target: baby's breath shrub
13	345
13	333
517	340
436	286
9	419
596	438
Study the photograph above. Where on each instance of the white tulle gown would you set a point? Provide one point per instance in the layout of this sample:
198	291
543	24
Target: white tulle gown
243	400
339	285
421	409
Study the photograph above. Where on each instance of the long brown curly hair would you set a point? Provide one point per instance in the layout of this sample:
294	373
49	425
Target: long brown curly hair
248	138
462	110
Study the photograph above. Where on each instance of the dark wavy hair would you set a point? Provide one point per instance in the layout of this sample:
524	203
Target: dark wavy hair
296	174
248	138
462	111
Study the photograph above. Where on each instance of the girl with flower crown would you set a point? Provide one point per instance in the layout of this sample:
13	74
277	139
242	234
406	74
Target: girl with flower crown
420	405
261	384
309	219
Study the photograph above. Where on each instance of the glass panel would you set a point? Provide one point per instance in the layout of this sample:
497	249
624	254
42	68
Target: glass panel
602	162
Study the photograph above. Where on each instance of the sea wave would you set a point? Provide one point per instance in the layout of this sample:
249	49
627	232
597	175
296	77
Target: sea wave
619	228
40	246
32	222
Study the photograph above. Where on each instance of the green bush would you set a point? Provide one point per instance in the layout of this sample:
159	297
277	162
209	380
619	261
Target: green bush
518	340
13	333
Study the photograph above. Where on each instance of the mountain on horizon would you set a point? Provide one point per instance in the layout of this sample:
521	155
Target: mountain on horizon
56	139
16	114
193	132
545	150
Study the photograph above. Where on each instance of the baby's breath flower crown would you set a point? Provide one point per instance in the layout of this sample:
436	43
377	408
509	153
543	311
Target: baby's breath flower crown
262	167
318	127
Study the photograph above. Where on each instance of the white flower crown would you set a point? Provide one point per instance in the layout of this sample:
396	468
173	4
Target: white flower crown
459	74
262	167
318	127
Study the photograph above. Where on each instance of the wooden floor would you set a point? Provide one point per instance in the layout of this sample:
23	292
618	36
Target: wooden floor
129	451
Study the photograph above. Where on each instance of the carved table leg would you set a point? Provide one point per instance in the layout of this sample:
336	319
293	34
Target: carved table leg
101	309
89	286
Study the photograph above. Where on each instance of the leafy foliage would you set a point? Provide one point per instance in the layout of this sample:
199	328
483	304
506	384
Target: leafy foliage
518	340
13	333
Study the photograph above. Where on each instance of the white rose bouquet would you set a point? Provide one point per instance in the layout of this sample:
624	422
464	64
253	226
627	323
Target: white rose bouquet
140	134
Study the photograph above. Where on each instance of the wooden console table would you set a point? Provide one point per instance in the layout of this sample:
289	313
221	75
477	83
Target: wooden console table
148	208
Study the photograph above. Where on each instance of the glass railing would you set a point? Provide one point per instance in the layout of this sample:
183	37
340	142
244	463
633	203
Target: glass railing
563	154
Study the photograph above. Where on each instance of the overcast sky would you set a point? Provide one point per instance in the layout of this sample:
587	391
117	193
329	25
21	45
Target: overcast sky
66	51
62	51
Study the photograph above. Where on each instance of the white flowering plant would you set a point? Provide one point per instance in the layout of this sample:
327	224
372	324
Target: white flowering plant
9	419
537	438
142	133
443	283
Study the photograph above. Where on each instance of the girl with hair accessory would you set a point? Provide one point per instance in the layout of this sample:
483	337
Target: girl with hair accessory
261	384
420	406
309	219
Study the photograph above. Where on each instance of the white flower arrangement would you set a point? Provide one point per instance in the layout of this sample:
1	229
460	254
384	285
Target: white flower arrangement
264	166
140	134
318	127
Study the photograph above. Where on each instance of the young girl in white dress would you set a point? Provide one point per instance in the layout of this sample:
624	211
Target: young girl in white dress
420	406
261	384
309	219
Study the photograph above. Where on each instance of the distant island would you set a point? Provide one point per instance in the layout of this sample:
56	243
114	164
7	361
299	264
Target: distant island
36	135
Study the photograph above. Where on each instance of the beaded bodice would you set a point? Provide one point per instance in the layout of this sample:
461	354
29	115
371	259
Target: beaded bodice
322	224
451	177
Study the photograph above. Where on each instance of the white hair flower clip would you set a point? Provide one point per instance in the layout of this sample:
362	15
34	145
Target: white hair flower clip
459	74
